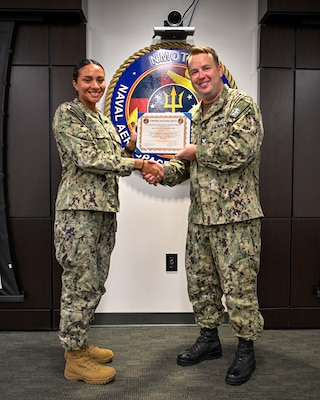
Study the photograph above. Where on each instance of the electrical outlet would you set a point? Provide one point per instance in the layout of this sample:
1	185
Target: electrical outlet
171	262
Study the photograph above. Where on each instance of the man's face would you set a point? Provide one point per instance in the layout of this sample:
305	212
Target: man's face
205	76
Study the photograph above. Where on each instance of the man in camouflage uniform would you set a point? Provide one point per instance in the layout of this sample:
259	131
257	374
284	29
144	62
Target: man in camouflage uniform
223	240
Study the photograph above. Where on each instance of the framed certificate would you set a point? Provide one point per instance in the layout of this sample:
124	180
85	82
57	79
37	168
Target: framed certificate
164	133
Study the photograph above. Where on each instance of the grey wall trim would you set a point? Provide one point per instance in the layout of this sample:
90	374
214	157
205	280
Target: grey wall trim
105	319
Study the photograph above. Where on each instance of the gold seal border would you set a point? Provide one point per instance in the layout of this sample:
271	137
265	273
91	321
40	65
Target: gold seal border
140	53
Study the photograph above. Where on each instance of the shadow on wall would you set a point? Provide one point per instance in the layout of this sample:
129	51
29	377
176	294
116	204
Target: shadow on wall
136	182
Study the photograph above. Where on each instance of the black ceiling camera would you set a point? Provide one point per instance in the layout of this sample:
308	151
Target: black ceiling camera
173	28
174	19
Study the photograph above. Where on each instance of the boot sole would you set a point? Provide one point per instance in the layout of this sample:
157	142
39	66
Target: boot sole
237	382
207	356
73	377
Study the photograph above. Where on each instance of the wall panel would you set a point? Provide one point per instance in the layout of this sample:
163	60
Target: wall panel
70	51
27	143
20	320
308	47
276	102
305	276
277	46
31	249
306	188
273	282
31	44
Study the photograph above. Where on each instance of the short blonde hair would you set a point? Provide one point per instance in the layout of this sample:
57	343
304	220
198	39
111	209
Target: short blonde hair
203	50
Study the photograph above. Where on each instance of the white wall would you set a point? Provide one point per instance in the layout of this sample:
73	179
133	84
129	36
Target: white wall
153	220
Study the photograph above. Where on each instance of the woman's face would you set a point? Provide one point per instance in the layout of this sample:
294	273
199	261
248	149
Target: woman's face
90	85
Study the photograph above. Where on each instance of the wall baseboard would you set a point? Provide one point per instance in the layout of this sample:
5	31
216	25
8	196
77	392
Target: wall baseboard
105	319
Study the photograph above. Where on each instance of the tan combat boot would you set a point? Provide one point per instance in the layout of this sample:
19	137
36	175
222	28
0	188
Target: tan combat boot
100	355
80	367
97	354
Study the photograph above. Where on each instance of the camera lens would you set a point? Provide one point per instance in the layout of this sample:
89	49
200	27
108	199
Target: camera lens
174	18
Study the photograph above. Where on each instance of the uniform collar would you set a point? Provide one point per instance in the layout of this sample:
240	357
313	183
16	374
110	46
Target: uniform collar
83	107
215	107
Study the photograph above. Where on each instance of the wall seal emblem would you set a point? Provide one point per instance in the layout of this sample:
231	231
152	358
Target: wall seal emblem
154	79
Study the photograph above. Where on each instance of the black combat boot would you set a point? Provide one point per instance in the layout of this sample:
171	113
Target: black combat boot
206	347
243	364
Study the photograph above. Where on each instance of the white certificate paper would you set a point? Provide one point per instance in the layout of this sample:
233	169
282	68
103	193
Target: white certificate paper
165	133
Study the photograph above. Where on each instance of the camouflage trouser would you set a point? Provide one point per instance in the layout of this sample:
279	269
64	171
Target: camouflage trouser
84	241
225	260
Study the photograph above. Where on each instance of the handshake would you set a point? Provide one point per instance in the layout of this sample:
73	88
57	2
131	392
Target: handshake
152	172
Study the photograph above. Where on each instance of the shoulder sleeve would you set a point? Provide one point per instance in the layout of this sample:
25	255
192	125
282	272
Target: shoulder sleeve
81	143
176	171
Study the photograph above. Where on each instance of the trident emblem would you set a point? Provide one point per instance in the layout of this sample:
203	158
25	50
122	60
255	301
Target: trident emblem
173	104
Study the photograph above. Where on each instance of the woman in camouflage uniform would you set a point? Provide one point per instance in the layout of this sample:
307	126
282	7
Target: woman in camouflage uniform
92	160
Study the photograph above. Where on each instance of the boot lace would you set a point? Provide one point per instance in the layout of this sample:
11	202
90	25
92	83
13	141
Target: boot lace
242	355
198	344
